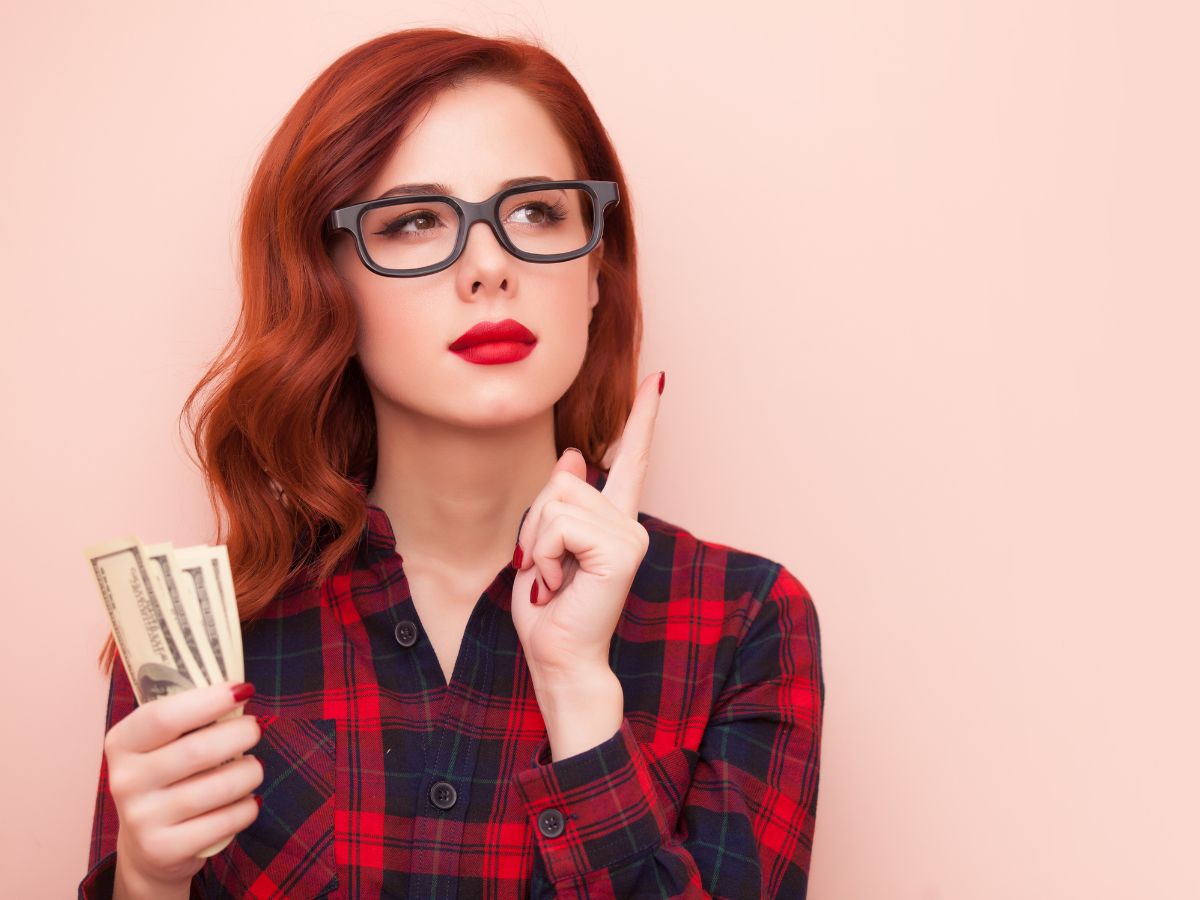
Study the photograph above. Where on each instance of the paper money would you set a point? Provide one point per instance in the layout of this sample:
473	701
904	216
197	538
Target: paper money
199	637
200	568
174	617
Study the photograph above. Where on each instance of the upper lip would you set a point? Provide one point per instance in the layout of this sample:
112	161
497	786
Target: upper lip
485	332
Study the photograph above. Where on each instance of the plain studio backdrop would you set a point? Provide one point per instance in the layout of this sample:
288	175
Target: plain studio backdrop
923	276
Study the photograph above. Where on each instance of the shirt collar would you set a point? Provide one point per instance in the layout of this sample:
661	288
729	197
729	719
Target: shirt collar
378	531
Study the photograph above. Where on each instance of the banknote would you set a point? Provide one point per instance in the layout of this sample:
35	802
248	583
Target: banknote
198	630
219	620
224	579
146	629
174	617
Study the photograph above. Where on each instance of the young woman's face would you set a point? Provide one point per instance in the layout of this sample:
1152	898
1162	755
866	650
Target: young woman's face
473	138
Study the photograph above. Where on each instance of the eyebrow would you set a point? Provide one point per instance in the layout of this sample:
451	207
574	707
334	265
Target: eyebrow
434	187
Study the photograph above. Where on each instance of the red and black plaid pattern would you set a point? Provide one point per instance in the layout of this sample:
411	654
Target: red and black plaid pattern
383	781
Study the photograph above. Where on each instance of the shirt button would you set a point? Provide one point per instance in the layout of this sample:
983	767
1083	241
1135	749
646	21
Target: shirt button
443	795
406	633
551	822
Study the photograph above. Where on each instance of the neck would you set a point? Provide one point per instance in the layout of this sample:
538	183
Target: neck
455	496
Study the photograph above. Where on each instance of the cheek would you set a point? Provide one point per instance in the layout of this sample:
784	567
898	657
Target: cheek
565	318
568	291
579	308
393	328
392	313
400	330
399	352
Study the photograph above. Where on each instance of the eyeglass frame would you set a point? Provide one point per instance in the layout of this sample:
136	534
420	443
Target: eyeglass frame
349	218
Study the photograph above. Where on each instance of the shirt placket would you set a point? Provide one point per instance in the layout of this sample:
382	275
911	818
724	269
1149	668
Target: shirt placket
445	790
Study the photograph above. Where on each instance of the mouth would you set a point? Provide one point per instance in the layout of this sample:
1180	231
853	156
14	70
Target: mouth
492	353
506	331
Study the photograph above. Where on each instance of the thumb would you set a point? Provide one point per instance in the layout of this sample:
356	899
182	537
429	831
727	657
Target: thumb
572	461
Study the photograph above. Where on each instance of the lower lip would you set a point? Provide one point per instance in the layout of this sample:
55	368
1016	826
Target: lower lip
495	352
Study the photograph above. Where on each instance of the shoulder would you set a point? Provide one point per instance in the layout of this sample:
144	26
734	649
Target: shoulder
292	616
689	571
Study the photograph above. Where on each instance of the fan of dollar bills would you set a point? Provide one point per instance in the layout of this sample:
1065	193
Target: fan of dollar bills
174	618
173	614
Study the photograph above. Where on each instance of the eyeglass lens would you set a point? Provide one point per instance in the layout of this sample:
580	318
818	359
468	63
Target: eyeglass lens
413	235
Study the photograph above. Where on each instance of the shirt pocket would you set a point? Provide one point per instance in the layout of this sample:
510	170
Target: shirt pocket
288	851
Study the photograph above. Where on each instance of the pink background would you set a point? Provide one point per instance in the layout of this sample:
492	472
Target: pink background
924	280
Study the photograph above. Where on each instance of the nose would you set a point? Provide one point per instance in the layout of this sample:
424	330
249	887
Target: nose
484	260
486	227
488	253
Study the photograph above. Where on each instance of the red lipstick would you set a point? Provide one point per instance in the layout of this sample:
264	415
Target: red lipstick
491	343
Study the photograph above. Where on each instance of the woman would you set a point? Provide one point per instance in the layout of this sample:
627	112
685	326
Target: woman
475	668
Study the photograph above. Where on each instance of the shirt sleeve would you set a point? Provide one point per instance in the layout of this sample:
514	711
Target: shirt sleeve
102	852
605	828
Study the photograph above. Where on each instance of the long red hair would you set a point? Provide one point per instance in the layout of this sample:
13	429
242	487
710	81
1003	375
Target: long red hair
286	418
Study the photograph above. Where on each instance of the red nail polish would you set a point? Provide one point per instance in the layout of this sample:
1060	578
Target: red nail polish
242	692
258	800
518	555
533	591
662	379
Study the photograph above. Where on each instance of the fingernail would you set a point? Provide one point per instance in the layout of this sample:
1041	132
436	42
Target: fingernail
262	722
662	379
533	591
258	800
521	524
242	692
576	449
518	554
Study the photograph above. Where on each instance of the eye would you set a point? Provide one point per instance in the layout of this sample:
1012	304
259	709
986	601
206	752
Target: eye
542	213
422	219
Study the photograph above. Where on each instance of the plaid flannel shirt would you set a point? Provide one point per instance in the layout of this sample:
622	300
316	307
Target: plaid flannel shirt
383	781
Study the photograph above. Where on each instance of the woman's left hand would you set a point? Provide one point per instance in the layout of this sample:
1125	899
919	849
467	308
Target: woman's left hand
581	548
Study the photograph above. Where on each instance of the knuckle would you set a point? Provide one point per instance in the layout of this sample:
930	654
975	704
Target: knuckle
158	715
120	782
195	754
133	814
157	848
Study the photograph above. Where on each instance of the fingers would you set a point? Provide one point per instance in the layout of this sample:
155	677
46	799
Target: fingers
165	848
200	750
154	724
568	480
566	529
203	831
627	473
214	788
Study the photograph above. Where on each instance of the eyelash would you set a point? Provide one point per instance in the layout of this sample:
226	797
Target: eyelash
554	213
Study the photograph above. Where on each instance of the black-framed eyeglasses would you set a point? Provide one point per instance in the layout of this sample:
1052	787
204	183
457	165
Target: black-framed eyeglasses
544	222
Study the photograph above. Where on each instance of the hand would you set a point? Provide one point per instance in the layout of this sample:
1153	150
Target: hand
174	790
582	548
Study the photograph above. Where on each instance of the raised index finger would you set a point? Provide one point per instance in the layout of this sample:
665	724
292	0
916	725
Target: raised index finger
161	721
627	474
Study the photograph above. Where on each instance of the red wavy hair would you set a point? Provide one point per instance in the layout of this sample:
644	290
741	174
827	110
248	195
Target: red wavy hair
286	419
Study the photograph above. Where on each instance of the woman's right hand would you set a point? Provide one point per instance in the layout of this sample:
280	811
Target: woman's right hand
178	787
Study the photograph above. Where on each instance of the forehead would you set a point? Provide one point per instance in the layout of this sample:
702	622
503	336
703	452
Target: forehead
473	137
